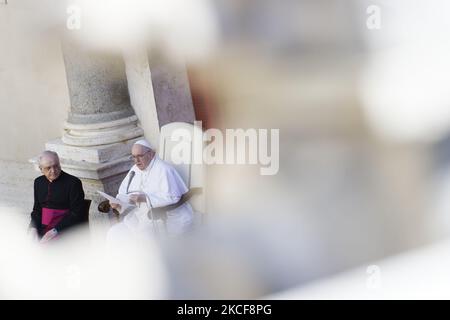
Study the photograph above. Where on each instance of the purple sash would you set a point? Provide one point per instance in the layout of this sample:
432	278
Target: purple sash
51	217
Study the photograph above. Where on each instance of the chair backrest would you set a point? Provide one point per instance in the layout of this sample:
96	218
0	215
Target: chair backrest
87	205
181	135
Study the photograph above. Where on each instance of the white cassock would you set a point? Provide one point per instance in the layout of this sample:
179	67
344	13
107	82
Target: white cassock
163	186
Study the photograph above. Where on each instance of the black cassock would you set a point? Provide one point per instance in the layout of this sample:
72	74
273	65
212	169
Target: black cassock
64	193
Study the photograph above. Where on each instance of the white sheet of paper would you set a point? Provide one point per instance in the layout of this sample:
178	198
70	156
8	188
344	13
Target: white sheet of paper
123	204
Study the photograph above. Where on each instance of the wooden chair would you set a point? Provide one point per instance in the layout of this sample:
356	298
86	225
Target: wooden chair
85	217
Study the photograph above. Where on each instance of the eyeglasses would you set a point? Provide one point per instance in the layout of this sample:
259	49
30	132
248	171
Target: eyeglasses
139	156
54	167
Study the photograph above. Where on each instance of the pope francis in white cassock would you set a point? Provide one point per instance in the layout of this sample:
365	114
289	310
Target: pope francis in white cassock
154	183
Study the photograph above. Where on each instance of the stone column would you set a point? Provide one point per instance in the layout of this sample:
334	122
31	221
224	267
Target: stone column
160	93
172	93
101	125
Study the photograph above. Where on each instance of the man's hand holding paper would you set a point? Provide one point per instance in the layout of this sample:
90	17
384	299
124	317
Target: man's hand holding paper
121	203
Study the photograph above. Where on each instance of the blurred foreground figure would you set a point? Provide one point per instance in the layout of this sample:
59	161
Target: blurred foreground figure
76	267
